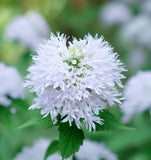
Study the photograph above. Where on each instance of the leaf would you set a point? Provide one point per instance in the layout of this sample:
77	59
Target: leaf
52	148
70	139
19	103
110	122
38	122
29	123
5	119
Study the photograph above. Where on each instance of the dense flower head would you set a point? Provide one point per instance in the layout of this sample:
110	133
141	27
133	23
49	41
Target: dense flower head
137	95
76	80
29	29
114	13
90	150
10	84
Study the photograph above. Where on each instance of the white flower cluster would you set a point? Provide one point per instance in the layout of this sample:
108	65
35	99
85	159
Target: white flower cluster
146	6
37	152
129	1
94	150
75	81
10	85
114	13
137	95
89	150
29	29
138	31
137	58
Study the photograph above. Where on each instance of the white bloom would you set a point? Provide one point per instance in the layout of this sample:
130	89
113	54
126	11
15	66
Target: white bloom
114	13
75	81
146	6
37	152
137	58
130	1
138	31
94	151
137	95
29	29
10	85
90	150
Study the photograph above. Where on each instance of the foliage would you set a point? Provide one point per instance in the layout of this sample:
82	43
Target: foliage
24	127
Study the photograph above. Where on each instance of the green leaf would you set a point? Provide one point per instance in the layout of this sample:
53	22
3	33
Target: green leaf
38	122
19	103
5	117
110	122
52	148
70	139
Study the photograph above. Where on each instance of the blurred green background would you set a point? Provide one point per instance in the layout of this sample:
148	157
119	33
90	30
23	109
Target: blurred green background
74	18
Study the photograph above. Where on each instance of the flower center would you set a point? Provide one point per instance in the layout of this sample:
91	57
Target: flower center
75	61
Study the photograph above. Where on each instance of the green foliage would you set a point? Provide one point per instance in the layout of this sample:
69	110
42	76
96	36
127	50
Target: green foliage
110	122
38	122
74	18
70	139
5	120
52	148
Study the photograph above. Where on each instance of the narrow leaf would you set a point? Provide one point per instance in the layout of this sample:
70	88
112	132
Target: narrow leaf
38	122
29	123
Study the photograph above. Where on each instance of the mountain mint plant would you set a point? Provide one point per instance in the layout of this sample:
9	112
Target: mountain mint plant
73	82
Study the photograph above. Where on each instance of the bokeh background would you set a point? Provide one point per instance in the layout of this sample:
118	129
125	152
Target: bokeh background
125	24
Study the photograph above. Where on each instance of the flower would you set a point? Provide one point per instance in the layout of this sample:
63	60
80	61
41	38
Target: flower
146	6
29	29
10	85
137	95
75	81
130	1
94	150
90	150
137	31
114	13
137	58
37	152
